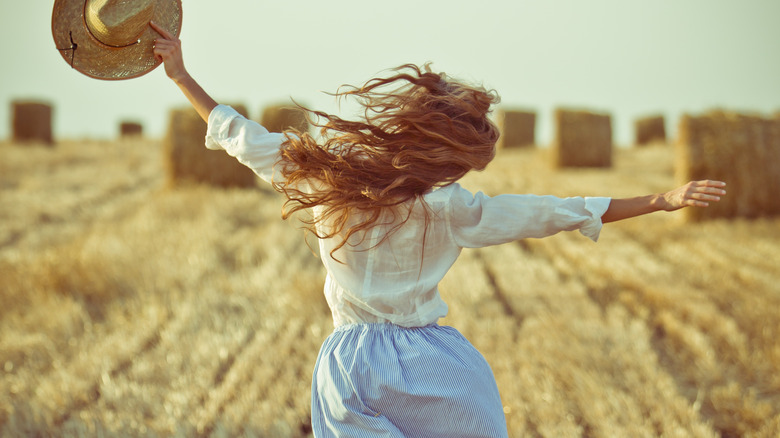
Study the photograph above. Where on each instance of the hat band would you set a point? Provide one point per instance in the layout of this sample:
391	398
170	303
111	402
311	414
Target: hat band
89	29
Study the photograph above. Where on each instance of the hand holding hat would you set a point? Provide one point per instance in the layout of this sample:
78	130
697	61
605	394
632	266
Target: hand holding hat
168	50
112	39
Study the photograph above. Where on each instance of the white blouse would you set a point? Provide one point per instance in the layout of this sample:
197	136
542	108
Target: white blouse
397	280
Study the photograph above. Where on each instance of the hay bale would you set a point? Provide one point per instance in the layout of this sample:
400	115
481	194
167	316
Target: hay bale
649	130
130	129
277	118
518	128
31	122
582	139
742	150
186	158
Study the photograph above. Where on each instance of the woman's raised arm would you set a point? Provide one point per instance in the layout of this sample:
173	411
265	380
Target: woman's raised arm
168	49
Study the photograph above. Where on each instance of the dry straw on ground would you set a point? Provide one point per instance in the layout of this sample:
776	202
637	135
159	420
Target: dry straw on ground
130	129
187	159
277	118
518	128
582	139
130	311
32	122
648	130
742	150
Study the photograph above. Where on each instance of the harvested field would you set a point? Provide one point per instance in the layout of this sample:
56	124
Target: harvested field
130	308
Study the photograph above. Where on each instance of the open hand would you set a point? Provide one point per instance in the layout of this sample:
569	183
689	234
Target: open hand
168	50
694	194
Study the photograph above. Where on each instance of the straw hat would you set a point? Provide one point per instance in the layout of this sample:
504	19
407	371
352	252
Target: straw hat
112	39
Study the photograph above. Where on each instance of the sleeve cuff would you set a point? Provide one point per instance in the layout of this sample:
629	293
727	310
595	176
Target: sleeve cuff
219	126
596	207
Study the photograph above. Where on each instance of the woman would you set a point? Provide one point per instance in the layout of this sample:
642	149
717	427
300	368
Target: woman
391	220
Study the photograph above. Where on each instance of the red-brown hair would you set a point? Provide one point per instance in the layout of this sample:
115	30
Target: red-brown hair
420	130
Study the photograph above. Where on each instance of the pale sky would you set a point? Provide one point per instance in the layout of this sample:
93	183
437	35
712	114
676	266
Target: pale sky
629	58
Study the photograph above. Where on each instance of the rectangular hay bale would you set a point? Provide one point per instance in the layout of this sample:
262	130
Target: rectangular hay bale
130	129
518	128
186	158
279	117
742	150
31	122
651	129
582	139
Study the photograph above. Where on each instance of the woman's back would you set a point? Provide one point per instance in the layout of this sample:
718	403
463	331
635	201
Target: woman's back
390	273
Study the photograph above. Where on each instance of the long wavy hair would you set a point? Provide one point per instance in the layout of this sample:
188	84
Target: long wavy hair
419	130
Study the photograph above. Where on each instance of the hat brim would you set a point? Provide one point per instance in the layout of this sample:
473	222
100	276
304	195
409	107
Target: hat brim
85	53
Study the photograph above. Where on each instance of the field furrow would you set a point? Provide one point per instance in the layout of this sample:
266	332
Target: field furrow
698	340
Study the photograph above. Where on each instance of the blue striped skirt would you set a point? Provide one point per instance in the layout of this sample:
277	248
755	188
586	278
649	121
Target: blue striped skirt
383	380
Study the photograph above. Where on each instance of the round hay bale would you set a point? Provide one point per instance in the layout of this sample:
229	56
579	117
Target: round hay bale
186	158
31	122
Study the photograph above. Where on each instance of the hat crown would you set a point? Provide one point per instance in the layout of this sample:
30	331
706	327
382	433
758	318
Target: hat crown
118	23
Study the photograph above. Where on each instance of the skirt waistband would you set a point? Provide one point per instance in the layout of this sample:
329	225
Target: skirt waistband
379	326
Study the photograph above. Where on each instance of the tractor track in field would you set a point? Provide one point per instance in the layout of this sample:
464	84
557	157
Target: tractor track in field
498	293
523	281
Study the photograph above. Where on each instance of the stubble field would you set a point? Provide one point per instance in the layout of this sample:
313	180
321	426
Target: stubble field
129	308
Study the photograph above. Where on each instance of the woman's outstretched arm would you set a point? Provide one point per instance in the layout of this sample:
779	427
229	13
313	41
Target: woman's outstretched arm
693	194
168	49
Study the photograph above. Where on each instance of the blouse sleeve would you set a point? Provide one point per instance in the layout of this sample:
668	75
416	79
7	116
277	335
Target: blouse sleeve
249	142
479	220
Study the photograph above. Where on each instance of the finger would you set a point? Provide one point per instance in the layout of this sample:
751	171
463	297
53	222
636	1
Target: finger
161	31
162	52
705	197
695	203
710	187
164	43
710	183
165	49
163	46
712	191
